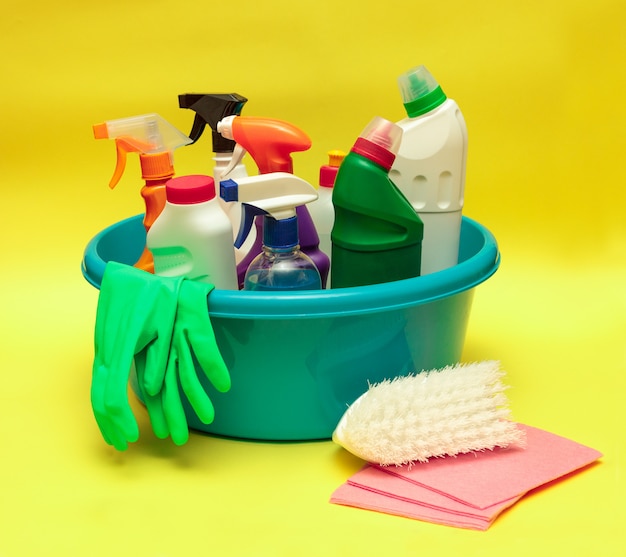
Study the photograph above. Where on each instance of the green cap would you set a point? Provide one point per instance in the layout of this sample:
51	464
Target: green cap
420	91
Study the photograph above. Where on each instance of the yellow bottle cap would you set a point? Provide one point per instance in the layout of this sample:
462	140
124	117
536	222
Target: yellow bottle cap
335	157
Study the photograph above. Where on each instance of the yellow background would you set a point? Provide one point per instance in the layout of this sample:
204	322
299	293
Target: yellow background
542	87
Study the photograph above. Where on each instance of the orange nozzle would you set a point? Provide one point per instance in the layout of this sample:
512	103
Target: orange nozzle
269	142
100	131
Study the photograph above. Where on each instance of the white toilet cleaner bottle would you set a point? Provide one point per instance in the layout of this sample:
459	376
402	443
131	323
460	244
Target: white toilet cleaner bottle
192	236
430	165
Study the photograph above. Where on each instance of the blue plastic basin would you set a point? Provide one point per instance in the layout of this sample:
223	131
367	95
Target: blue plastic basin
298	359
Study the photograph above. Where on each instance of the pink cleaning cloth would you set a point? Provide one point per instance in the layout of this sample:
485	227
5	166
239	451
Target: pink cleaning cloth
354	496
467	491
484	479
373	490
388	485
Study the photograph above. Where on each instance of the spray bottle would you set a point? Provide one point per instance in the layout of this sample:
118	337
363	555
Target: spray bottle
430	165
275	196
377	235
209	109
192	237
270	143
155	140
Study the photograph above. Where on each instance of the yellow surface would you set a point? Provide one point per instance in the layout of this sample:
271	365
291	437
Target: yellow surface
541	84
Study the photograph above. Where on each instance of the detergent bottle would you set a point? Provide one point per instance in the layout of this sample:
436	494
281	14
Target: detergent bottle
322	211
192	237
155	140
430	165
210	109
270	143
281	265
376	236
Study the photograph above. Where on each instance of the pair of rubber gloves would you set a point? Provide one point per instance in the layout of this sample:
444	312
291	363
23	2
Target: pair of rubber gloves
163	324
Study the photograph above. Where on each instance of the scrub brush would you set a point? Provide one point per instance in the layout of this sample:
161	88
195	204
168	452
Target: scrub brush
453	410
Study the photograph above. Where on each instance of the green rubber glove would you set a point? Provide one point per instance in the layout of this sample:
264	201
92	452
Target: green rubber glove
192	340
136	314
153	403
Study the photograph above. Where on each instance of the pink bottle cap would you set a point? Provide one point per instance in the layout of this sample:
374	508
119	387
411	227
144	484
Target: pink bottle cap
187	190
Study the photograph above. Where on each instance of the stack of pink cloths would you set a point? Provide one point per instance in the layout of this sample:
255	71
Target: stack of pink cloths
469	490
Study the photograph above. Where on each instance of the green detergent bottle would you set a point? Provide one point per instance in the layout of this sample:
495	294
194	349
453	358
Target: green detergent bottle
377	235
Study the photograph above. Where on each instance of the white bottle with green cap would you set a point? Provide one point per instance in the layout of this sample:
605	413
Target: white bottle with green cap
430	165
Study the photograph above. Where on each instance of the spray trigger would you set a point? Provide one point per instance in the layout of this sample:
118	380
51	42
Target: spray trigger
123	146
248	214
197	128
238	153
273	195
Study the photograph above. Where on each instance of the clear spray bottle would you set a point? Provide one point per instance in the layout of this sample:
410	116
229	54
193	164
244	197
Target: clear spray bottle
281	265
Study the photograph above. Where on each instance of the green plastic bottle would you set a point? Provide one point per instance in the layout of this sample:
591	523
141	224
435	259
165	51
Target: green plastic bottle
377	235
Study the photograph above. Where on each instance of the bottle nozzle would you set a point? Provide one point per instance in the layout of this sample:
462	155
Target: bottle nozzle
335	157
209	109
379	142
276	195
150	130
420	91
270	142
328	172
148	134
100	131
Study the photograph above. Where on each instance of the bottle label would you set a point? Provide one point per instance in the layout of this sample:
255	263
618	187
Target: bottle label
172	261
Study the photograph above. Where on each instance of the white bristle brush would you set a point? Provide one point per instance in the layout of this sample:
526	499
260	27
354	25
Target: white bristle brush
453	410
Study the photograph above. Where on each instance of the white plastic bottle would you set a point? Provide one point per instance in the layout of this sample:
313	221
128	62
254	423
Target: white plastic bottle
193	236
322	210
430	165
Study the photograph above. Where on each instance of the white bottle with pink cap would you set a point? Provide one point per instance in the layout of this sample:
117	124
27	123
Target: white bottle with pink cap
192	236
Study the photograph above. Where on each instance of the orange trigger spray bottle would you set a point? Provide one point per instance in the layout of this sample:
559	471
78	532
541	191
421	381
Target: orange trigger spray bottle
155	140
270	143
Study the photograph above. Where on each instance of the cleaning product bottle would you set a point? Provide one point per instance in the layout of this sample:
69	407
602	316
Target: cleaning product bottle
377	235
281	265
209	109
322	210
430	165
155	140
270	142
192	236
